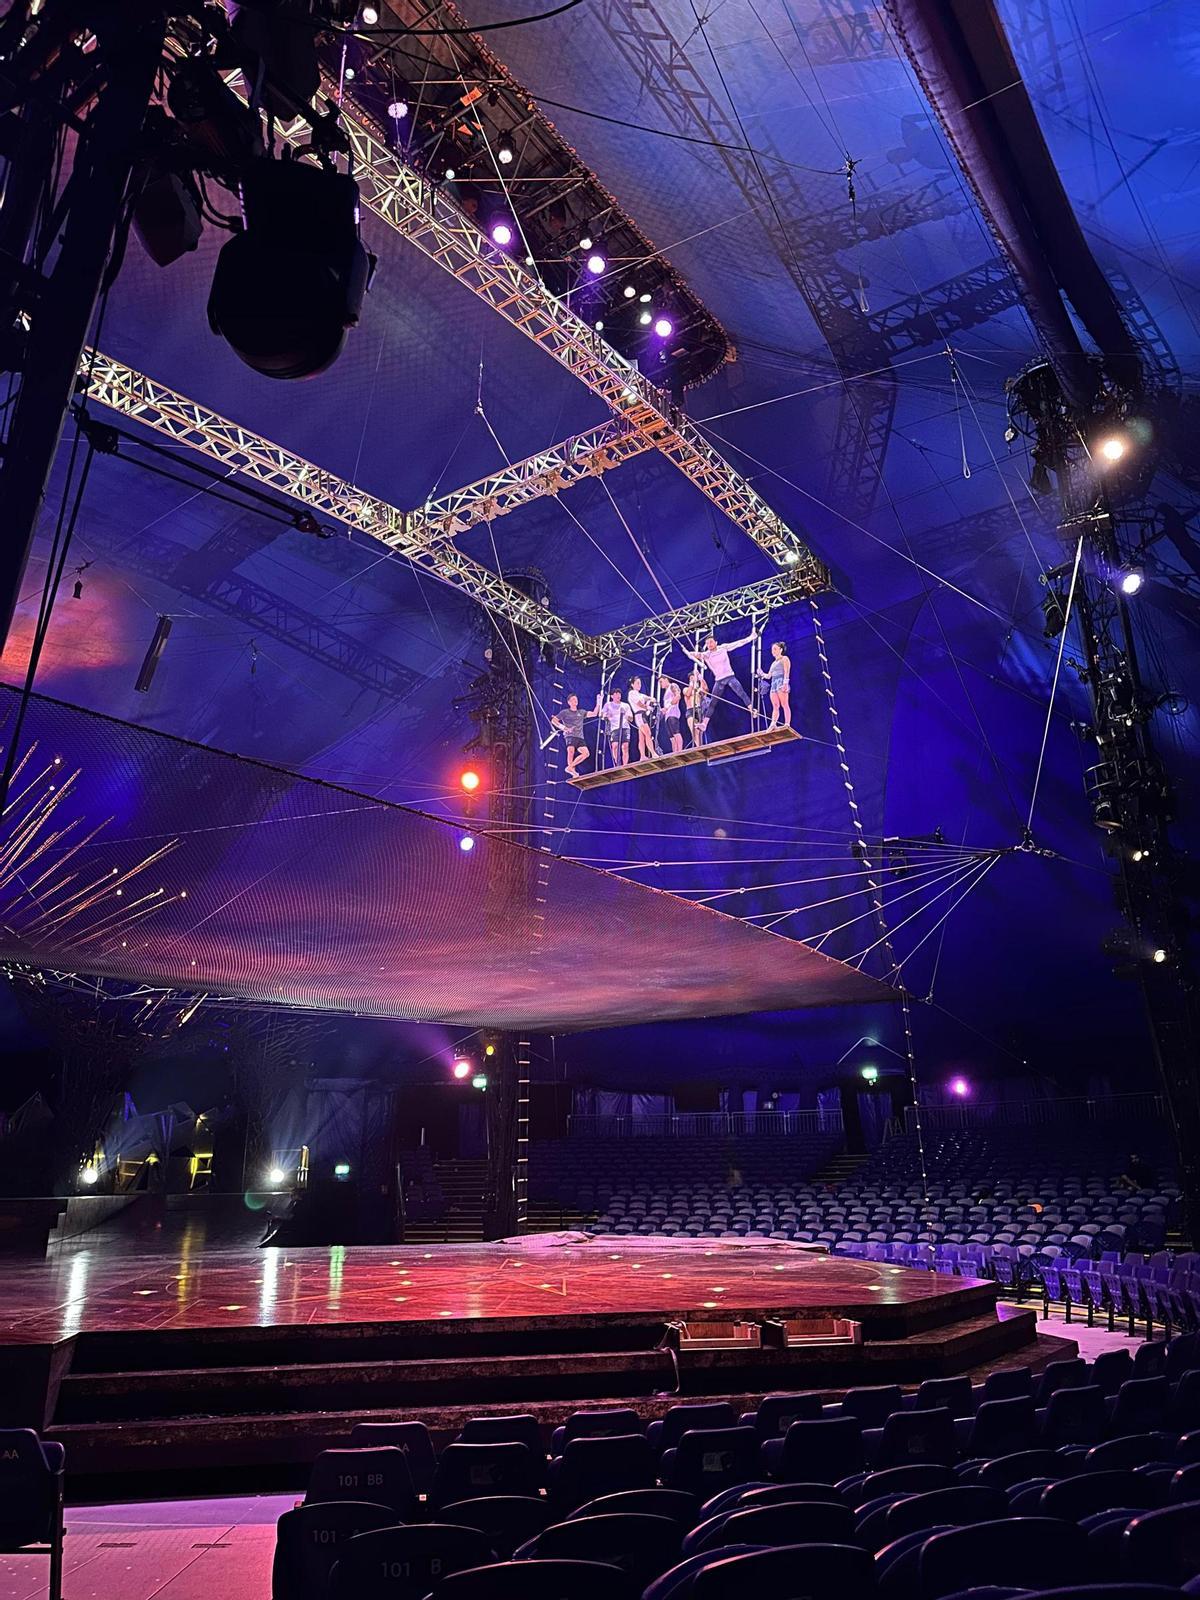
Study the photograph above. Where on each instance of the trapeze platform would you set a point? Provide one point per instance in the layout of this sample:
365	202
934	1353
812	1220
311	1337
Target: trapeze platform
743	744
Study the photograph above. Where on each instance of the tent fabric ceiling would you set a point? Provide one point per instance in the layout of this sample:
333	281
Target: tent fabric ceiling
844	409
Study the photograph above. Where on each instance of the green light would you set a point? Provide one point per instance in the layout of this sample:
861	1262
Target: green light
479	1081
342	1169
870	1073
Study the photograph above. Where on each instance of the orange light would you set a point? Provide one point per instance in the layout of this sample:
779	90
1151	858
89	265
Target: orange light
470	780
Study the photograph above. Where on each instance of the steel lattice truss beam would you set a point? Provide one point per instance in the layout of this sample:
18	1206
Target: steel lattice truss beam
585	455
429	219
133	395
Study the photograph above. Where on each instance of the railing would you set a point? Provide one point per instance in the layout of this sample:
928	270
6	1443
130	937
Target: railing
705	1124
1038	1113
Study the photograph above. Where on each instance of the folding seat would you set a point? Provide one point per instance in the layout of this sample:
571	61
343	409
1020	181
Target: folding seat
774	1494
507	1519
1140	1406
31	1498
309	1540
467	1470
788	1522
1074	1416
1111	1369
961	1506
954	1395
1088	1492
913	1436
1000	1428
1132	1450
516	1429
821	1452
1163	1546
1024	1552
412	1438
376	1474
673	1504
1150	1359
1183	1353
895	1481
870	1408
1184	1409
591	1467
816	1571
641	1546
776	1413
707	1460
594	1425
668	1430
1184	1485
405	1563
539	1580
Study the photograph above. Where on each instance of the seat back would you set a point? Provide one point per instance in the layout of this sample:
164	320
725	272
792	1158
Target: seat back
1010	1383
507	1519
518	1429
674	1504
310	1539
685	1419
1141	1405
1163	1546
954	1395
1082	1496
405	1563
642	1546
1002	1427
1075	1416
803	1522
871	1408
776	1413
824	1451
378	1474
411	1437
591	1467
816	1571
27	1489
601	1424
960	1507
1059	1375
709	1459
467	1470
773	1494
548	1579
917	1436
1024	1552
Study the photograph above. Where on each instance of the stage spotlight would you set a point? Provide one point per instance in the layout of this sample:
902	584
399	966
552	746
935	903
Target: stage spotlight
153	654
502	234
504	153
276	1176
290	285
1131	580
1159	956
1113	448
466	844
960	1087
664	327
398	110
450	174
596	264
369	16
629	291
469	780
585	242
1139	855
791	557
341	1171
462	1069
489	1050
479	1081
644	299
348	74
599	327
89	1176
870	1073
645	319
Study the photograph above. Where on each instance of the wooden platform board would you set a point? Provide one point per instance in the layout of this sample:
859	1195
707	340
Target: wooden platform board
744	744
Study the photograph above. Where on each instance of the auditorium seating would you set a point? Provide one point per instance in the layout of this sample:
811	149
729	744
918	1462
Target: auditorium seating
31	1498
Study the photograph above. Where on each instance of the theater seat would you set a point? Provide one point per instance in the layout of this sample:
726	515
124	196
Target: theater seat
641	1546
378	1474
815	1571
671	1503
405	1563
539	1580
824	1451
591	1467
31	1498
467	1470
707	1460
787	1523
668	1430
507	1519
309	1540
412	1438
1163	1546
1026	1552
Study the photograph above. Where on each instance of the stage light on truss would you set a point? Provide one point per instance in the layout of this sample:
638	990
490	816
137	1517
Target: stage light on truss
469	780
450	174
791	557
870	1073
505	153
398	110
644	298
599	327
1139	854
586	242
664	327
479	1081
489	1049
502	234
89	1175
341	1170
276	1176
1113	448
1159	956
348	74
368	16
645	319
959	1087
462	1068
629	291
1130	580
466	844
596	263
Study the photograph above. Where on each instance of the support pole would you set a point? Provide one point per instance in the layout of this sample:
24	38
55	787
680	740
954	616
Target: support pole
131	45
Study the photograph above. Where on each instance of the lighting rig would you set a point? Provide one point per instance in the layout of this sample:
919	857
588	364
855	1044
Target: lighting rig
1101	463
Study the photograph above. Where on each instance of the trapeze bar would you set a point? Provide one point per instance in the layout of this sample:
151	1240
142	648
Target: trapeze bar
720	750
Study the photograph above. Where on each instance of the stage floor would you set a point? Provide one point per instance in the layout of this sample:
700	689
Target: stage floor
99	1289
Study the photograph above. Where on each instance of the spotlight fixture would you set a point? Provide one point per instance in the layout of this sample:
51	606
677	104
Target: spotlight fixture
504	153
959	1087
450	174
1131	580
369	16
596	264
645	319
599	327
791	557
1139	854
489	1049
1159	956
479	1081
341	1170
462	1068
502	234
1113	448
644	299
870	1073
276	1176
664	327
89	1176
466	844
153	655
398	110
348	74
469	780
529	262
585	242
629	291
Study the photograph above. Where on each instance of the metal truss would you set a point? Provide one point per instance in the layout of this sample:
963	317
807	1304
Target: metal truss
423	214
781	589
144	400
585	455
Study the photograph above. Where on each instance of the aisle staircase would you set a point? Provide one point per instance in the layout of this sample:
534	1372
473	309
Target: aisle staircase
839	1170
462	1183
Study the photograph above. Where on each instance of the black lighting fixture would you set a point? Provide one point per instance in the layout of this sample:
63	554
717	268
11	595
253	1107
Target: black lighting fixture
158	644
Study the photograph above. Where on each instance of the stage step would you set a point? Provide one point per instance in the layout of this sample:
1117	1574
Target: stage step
462	1183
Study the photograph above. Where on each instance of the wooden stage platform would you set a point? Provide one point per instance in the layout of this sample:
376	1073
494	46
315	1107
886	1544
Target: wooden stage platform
744	744
266	1356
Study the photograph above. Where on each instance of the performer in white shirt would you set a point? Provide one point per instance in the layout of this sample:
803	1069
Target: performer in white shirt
642	707
669	718
616	718
715	657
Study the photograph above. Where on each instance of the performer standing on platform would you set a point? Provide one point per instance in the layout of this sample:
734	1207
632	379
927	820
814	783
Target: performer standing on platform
672	733
699	705
715	657
641	706
779	681
569	722
616	717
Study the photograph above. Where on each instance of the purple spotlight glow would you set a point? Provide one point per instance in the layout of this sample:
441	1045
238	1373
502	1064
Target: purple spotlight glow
960	1087
664	327
466	843
502	234
596	264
